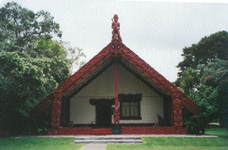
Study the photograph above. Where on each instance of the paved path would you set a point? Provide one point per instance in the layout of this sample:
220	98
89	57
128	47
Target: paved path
94	147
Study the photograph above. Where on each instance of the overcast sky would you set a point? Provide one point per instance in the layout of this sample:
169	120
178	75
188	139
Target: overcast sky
156	31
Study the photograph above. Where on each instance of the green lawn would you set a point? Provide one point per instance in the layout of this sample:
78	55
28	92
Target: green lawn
156	143
38	144
179	143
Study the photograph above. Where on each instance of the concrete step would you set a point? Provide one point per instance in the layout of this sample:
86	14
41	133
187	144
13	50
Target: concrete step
108	140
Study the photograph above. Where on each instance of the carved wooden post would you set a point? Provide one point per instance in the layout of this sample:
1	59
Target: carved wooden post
117	114
116	44
177	110
56	105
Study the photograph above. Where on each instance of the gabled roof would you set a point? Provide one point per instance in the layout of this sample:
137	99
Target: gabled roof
124	54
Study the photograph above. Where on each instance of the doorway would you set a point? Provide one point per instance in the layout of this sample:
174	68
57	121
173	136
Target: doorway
103	112
103	115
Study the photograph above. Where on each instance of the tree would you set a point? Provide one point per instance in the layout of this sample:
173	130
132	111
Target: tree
32	64
215	77
203	76
20	26
189	82
206	50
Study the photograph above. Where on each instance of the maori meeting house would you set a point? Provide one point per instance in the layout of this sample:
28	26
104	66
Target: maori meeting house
116	92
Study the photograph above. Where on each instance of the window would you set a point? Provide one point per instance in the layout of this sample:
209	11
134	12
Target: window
130	109
130	106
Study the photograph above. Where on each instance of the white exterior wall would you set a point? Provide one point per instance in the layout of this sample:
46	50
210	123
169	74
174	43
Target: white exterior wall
82	112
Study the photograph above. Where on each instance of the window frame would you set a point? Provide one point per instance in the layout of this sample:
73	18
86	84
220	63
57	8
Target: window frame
130	98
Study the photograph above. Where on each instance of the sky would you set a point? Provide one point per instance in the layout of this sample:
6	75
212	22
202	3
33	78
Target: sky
156	31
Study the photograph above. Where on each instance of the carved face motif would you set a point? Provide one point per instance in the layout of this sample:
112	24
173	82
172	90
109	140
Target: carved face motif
115	18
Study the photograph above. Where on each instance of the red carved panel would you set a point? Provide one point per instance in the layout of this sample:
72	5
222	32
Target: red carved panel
177	116
56	109
125	130
102	131
153	130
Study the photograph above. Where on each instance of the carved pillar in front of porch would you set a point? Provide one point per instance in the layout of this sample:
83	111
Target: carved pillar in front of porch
56	110
177	109
116	114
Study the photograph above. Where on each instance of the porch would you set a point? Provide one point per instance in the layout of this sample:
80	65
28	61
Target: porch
94	105
125	130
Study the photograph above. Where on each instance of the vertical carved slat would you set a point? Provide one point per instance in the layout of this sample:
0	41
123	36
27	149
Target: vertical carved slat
56	109
117	114
177	109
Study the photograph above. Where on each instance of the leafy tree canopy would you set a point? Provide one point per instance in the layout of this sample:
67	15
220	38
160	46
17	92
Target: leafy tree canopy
32	63
215	77
190	81
20	26
206	50
204	73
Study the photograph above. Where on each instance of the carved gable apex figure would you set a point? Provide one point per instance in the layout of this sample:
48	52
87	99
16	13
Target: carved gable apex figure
116	28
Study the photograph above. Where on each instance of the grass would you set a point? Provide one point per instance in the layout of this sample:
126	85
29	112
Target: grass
180	143
38	144
149	143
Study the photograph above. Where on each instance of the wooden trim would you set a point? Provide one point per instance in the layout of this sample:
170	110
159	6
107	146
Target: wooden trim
131	118
130	97
116	115
104	100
